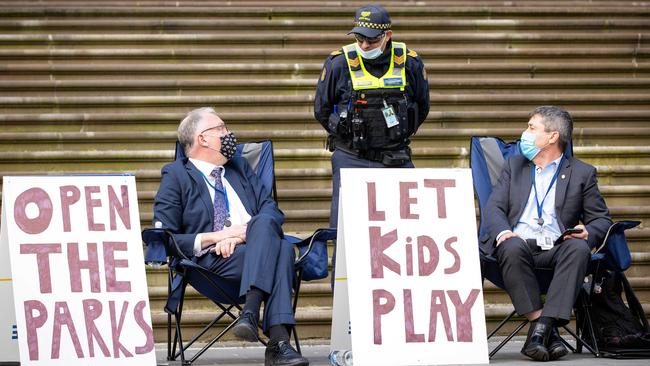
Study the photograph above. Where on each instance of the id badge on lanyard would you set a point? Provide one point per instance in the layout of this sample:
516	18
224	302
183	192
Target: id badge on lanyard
544	239
389	115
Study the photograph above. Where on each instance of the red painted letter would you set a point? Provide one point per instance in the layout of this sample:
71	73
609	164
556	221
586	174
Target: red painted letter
62	317
110	263
427	268
69	195
456	266
92	311
76	264
121	209
463	314
379	260
116	330
373	214
409	326
379	309
405	200
32	323
42	252
138	312
440	185
39	223
90	206
439	306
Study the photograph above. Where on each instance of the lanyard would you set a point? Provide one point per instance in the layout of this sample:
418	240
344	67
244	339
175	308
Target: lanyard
224	193
540	220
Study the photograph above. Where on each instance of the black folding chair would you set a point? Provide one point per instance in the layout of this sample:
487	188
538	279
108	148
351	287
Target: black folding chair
163	248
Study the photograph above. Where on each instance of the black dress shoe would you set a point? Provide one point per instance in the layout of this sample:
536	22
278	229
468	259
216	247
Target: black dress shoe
556	348
246	327
282	354
535	346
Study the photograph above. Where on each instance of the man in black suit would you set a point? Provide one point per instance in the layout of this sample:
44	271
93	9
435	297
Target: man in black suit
540	195
221	214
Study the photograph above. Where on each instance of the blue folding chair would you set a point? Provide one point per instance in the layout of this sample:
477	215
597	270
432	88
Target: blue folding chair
487	159
162	248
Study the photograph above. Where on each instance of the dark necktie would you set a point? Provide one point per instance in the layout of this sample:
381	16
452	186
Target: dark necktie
220	210
219	204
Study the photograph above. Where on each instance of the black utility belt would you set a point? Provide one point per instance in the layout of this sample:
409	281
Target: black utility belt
386	157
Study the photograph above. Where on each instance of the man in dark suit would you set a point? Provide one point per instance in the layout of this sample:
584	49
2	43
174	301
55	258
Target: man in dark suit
540	195
223	216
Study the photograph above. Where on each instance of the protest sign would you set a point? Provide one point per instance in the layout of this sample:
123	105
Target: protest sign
413	273
8	332
79	283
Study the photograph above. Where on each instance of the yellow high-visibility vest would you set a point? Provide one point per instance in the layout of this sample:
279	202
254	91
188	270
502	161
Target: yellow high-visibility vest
395	77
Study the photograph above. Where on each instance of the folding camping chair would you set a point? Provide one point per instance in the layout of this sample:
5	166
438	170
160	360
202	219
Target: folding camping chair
487	158
162	248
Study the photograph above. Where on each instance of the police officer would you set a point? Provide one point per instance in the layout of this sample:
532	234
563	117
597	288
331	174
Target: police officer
372	95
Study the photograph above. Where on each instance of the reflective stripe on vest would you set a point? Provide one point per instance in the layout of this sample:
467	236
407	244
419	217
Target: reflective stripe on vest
395	77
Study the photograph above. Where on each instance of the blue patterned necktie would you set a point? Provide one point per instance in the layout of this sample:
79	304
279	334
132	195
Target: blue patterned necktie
219	204
220	210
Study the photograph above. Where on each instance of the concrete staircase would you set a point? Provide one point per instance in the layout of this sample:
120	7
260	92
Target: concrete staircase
101	86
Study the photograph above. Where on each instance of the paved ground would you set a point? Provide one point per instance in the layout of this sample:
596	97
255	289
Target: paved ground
234	354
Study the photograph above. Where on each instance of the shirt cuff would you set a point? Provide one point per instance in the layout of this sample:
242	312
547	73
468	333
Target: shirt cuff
197	243
502	233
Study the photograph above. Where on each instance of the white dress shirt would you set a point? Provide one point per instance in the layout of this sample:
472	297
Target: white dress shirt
237	212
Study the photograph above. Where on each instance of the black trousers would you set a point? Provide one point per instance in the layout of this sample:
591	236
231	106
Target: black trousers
264	262
518	260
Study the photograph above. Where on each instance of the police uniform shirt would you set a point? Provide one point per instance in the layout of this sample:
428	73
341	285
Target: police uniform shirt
335	83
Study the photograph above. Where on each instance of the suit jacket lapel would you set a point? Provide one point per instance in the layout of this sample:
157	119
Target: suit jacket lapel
523	190
197	176
235	180
561	187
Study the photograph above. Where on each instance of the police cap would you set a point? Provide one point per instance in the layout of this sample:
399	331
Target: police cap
371	21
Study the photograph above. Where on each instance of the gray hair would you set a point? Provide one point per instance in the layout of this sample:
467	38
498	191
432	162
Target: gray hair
188	126
555	119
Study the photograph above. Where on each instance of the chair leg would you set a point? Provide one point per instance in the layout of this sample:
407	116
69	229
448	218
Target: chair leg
508	338
501	324
581	341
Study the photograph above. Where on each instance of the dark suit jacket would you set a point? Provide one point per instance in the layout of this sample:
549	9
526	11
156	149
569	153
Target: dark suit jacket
577	199
183	204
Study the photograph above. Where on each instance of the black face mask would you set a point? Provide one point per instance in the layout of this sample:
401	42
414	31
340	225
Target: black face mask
228	145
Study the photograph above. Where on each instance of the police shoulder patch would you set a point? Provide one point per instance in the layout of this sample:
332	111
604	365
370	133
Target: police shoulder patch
412	53
336	52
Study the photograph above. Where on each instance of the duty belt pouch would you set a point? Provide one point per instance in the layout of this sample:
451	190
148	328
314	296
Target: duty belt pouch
395	158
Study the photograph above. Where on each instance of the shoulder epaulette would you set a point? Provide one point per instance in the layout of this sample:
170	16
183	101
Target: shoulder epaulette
412	53
336	52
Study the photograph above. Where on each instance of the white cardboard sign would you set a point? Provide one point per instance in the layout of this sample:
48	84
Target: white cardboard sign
79	282
413	271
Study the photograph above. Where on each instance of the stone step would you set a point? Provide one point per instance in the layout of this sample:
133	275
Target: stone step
485	121
314	137
72	64
311	3
325	10
305	157
332	39
300	53
434	23
304	102
152	87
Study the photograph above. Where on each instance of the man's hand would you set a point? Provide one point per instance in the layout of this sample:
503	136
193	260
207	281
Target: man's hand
584	234
236	231
505	237
226	247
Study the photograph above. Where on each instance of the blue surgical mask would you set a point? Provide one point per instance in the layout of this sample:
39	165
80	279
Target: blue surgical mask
370	55
527	145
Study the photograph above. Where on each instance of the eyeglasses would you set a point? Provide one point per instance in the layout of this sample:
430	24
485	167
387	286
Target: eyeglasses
362	39
219	128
